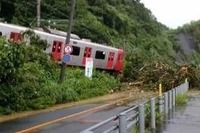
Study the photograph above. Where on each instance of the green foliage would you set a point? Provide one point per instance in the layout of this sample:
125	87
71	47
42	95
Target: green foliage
158	119
158	116
32	39
29	79
181	99
149	48
10	60
102	21
134	63
119	23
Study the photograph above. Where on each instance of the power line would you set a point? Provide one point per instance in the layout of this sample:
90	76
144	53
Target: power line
42	4
55	9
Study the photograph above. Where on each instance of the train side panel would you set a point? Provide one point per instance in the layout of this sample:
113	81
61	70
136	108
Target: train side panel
9	30
104	57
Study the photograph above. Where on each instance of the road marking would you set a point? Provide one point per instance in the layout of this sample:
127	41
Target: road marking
70	116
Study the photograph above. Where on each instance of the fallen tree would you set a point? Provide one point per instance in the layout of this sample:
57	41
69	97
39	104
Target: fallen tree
150	75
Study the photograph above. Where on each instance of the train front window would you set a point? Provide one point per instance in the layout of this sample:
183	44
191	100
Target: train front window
76	51
100	55
59	47
54	47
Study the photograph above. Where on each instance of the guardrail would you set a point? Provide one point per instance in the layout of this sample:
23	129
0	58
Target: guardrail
125	121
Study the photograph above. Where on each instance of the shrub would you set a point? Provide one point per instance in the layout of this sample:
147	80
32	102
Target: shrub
181	99
29	80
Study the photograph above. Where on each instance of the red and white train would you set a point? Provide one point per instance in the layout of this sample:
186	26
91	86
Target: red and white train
104	57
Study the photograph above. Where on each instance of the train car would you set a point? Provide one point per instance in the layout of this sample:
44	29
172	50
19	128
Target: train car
104	57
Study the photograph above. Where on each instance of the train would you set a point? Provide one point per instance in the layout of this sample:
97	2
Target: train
104	57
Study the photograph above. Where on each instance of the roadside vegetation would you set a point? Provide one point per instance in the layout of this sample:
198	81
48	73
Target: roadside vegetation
181	99
29	79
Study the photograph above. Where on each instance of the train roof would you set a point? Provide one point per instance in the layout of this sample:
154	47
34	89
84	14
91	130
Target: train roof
57	36
13	26
95	44
43	29
58	32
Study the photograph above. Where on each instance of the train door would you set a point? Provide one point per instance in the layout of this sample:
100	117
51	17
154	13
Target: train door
87	54
56	50
110	60
14	36
119	62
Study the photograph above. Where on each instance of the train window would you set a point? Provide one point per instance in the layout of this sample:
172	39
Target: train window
76	50
54	47
100	55
59	47
74	42
0	33
14	36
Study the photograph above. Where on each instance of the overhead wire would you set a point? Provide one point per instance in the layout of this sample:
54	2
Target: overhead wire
49	7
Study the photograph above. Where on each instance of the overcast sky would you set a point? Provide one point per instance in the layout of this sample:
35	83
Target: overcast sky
174	13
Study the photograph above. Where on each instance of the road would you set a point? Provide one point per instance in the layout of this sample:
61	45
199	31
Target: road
72	119
32	123
185	119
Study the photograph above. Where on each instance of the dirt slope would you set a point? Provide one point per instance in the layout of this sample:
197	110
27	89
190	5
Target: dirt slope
187	44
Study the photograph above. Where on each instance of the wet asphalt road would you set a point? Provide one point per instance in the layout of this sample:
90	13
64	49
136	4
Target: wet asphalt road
78	124
180	120
23	123
71	125
183	119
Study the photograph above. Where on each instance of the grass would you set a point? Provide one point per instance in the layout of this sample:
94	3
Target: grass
181	99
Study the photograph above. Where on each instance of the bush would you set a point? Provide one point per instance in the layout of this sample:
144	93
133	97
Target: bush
29	80
181	99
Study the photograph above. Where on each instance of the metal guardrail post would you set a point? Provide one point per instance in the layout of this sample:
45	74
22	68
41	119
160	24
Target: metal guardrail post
173	97
176	91
188	86
141	119
122	123
170	99
160	102
185	87
166	102
153	117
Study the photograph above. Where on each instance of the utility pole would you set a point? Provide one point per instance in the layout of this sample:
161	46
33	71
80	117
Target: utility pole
38	12
63	66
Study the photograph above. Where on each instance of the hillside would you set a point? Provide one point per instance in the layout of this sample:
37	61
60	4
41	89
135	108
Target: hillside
187	47
124	24
150	47
189	41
